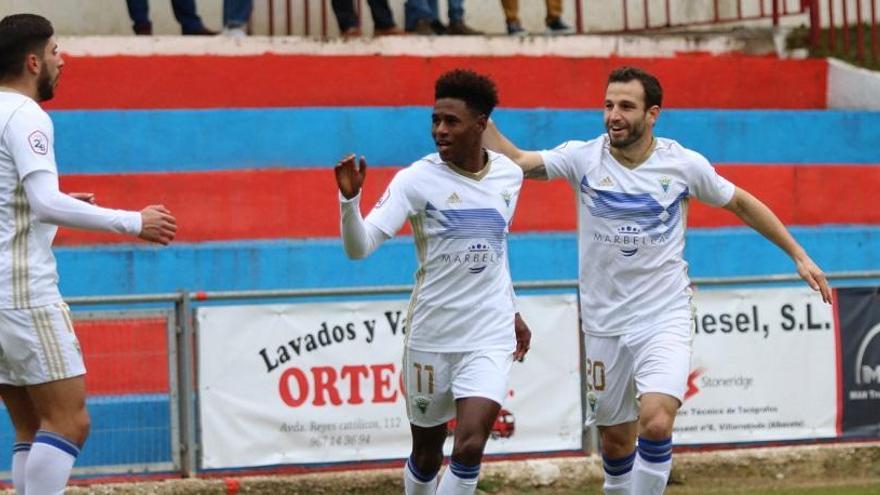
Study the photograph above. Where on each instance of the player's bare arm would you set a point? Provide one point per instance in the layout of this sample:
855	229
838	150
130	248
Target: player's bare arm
350	175
757	215
523	338
530	161
157	225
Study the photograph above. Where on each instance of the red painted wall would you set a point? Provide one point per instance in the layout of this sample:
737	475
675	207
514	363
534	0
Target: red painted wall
690	81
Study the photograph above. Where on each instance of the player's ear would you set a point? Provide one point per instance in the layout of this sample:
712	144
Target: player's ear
482	121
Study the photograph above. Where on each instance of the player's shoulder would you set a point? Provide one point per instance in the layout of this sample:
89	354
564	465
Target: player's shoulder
420	169
503	164
579	146
23	109
672	150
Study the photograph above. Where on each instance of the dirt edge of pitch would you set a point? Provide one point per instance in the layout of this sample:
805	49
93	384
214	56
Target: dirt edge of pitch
843	461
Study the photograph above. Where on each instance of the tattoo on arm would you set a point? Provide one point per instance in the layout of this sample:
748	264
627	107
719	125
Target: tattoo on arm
539	172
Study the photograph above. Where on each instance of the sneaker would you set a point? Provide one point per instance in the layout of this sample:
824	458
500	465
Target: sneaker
389	31
556	28
235	32
461	29
423	27
438	27
352	32
514	28
202	31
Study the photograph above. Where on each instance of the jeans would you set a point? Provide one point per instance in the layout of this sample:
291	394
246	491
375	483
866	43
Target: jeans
347	18
237	13
417	10
184	12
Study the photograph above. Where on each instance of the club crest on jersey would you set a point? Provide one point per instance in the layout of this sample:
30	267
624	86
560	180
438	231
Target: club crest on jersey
422	403
506	196
453	199
664	183
39	142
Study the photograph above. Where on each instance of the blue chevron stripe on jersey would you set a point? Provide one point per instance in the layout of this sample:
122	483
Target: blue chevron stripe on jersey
471	223
640	208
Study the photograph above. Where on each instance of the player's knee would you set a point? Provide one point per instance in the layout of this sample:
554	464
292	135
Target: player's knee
427	460
657	426
469	450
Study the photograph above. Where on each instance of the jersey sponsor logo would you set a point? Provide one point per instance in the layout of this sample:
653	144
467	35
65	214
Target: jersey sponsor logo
39	142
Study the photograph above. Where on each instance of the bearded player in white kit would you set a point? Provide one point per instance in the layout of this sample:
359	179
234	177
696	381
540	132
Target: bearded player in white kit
41	367
463	330
632	192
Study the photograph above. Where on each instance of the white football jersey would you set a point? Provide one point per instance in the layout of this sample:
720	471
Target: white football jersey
28	277
631	226
463	295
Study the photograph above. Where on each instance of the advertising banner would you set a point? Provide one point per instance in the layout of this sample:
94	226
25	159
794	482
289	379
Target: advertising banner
763	368
859	313
319	383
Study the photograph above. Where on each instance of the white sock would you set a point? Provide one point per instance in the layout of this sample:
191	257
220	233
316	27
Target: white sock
459	480
49	463
20	453
417	483
618	475
652	466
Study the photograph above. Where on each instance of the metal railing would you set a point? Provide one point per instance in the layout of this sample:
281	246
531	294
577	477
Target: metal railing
848	24
179	309
737	11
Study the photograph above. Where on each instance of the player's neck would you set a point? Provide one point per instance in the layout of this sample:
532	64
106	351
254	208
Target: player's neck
475	163
635	154
19	86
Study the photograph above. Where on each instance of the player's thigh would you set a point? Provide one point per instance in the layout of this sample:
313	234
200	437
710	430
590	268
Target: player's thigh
38	345
663	359
21	411
428	387
611	398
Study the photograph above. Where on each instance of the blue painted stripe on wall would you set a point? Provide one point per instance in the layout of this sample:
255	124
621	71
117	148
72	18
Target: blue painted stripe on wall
177	140
250	265
128	429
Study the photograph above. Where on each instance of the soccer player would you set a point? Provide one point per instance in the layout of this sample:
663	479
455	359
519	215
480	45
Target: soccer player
632	190
463	330
41	367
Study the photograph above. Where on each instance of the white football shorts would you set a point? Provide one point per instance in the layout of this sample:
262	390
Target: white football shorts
434	380
623	367
38	345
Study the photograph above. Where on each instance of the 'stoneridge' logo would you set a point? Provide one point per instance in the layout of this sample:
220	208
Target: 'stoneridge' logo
39	142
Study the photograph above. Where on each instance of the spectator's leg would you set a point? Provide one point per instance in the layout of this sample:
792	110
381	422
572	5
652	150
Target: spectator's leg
511	10
237	13
415	11
456	11
139	11
185	13
346	17
382	17
554	11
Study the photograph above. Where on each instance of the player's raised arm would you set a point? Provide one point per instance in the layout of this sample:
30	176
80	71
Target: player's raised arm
530	161
758	216
359	238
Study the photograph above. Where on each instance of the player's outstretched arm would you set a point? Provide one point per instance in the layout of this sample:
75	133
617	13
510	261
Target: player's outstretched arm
758	216
157	225
530	161
359	238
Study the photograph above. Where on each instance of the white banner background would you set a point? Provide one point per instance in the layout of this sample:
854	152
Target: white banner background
244	351
763	368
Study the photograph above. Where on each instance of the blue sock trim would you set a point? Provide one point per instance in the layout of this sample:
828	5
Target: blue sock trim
21	447
655	451
423	477
464	472
619	467
57	441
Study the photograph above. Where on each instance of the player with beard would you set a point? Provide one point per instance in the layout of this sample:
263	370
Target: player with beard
41	367
632	190
463	330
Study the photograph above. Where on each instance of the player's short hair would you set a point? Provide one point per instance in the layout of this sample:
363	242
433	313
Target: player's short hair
476	90
20	35
653	90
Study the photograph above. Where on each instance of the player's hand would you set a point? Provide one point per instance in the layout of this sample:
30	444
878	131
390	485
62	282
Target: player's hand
813	275
83	196
350	175
157	224
523	338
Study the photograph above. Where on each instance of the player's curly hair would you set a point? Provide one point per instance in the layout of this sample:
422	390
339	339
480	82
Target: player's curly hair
653	90
476	90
